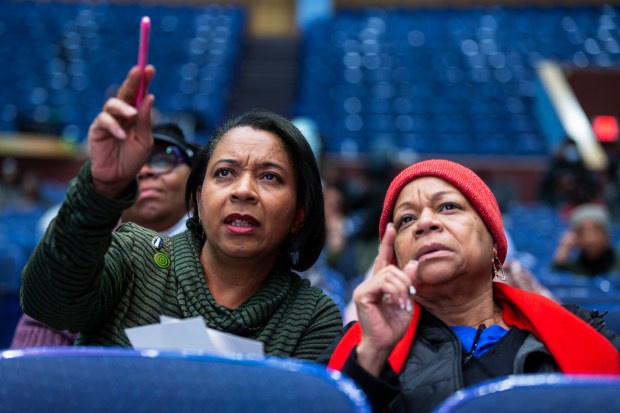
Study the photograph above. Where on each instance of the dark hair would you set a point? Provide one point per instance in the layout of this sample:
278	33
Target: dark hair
302	249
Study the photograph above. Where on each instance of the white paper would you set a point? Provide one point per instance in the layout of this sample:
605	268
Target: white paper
146	337
164	319
225	343
191	334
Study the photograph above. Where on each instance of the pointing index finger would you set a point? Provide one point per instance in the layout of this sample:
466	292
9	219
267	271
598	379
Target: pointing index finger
386	249
128	90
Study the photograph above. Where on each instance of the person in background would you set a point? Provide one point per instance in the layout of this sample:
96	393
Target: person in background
321	274
567	181
520	276
256	216
160	207
20	191
162	181
431	318
362	193
10	183
586	248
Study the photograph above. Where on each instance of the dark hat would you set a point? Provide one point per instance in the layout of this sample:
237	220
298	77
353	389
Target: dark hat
466	181
171	133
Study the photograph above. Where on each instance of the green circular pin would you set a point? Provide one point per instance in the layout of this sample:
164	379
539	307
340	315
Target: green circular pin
161	260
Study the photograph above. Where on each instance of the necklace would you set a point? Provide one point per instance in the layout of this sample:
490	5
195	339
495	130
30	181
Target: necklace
470	355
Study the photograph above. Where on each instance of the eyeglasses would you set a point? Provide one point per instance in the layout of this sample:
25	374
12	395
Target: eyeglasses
164	161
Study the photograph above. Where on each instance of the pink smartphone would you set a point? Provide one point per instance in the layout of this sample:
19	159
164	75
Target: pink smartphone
143	52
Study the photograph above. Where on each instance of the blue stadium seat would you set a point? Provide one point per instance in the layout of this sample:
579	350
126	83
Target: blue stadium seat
114	380
591	297
535	229
538	393
73	56
10	312
453	64
612	316
12	259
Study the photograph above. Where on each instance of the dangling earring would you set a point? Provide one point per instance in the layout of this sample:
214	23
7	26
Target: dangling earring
294	255
498	269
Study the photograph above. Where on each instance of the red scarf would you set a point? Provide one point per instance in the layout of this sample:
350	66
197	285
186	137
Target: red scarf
575	345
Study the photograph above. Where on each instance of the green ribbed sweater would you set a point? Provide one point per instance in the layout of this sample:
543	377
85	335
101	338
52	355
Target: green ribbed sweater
85	277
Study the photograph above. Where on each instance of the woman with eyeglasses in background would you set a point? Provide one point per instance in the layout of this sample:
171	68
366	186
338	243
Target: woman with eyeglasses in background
162	179
256	216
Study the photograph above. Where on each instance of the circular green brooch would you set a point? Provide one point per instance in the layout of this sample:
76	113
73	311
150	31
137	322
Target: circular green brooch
161	260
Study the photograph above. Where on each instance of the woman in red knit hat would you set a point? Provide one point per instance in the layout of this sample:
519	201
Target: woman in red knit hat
431	318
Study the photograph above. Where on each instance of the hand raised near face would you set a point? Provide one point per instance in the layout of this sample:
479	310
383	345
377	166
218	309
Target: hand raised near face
119	138
384	305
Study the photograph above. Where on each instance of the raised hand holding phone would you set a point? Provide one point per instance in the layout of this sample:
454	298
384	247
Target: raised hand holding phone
143	51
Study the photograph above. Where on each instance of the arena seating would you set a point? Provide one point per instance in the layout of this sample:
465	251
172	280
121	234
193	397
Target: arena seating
18	239
10	312
538	393
443	80
64	60
114	380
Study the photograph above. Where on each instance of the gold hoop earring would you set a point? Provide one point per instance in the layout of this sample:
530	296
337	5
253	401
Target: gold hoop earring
498	269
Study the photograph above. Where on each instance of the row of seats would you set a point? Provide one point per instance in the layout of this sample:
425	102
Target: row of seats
391	77
67	58
439	80
68	379
444	80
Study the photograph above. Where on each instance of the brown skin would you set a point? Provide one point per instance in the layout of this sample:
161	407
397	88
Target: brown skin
589	237
444	249
248	207
160	204
592	239
119	138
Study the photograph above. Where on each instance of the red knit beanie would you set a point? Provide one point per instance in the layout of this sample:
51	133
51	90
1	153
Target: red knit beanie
466	181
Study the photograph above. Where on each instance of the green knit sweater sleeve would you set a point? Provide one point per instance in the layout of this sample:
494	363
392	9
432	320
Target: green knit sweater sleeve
325	325
74	277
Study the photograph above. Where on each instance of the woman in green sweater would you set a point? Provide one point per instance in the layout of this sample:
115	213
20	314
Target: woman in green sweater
256	207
